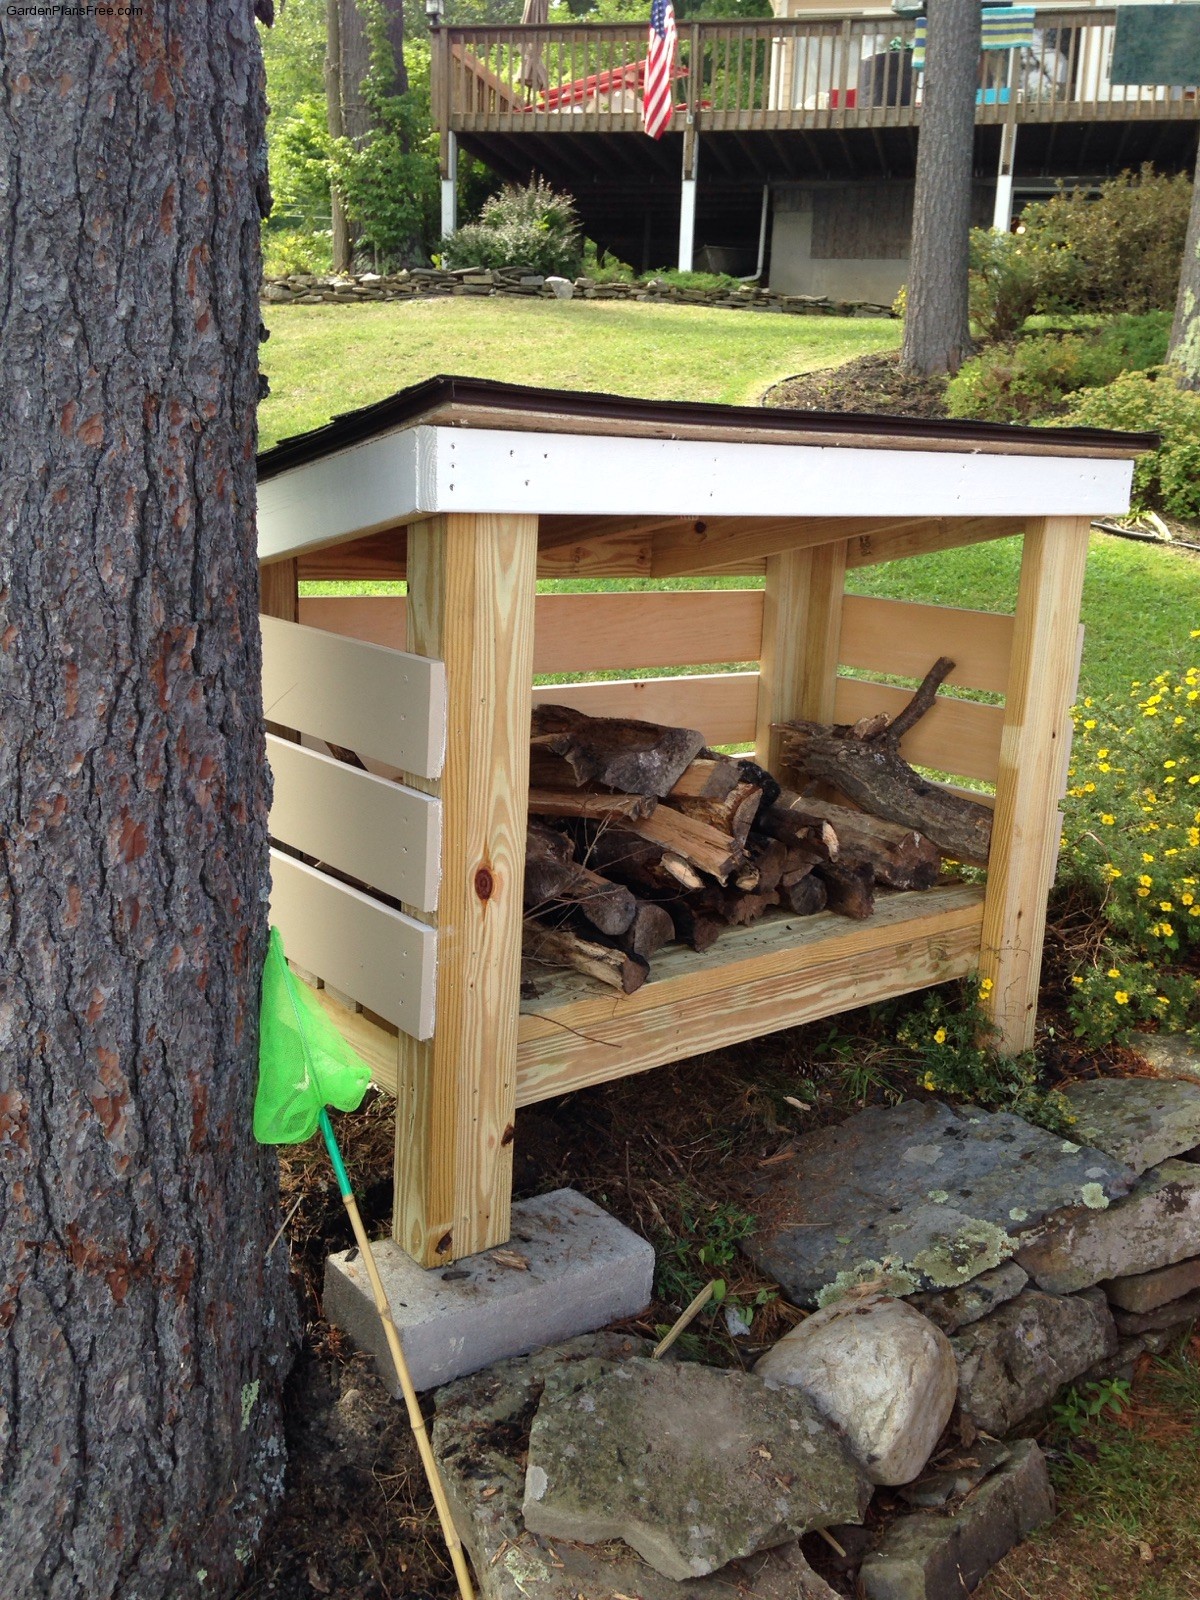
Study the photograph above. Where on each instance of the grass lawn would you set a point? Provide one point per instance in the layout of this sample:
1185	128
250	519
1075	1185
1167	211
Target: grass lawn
323	360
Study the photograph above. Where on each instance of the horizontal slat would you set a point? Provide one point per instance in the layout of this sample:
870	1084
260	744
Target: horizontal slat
781	972
899	637
721	705
958	736
383	833
370	699
587	632
382	958
870	550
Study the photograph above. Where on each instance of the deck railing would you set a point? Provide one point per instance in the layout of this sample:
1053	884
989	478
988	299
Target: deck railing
804	73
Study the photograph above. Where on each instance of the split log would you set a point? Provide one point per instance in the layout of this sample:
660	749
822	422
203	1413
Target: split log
646	867
595	804
864	763
769	857
732	815
739	909
554	878
558	947
696	922
794	829
650	929
902	857
804	897
629	756
704	846
708	778
849	886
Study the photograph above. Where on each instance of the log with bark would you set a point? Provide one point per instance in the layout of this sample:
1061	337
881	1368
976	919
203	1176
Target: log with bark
554	879
559	947
902	857
626	755
863	762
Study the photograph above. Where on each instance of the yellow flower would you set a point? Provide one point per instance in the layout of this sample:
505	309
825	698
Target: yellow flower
1121	997
1100	754
1145	880
1162	999
1167	930
1107	818
1142	893
1089	788
1147	855
927	1081
1103	766
986	986
1165	905
1077	979
1114	972
1188	898
1090	723
1168	764
940	1036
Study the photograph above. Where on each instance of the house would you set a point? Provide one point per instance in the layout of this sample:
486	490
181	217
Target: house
793	146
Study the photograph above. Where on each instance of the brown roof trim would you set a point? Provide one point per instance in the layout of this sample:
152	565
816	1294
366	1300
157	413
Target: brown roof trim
479	402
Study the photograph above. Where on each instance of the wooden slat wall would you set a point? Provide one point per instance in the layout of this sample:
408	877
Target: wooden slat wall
383	833
371	700
384	959
602	632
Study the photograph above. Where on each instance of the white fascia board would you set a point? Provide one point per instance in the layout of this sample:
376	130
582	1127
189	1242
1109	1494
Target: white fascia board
368	486
557	474
422	470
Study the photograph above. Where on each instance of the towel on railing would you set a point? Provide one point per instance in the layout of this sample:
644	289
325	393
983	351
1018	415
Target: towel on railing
1002	27
1157	45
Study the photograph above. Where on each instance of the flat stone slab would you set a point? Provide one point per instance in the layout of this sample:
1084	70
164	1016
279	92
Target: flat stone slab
931	1557
936	1489
952	1309
480	1434
1171	1315
1170	1055
1157	1225
691	1466
1014	1362
1139	1121
569	1268
917	1196
1146	1291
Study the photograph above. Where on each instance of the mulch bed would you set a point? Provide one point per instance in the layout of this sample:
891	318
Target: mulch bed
871	383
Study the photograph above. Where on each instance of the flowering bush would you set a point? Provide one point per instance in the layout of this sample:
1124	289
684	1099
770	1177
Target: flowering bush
950	1037
1132	840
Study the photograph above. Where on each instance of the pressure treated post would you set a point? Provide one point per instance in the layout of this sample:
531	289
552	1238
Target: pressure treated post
471	586
1033	754
802	627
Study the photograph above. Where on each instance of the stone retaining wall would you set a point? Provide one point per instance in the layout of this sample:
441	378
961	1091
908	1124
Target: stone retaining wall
307	290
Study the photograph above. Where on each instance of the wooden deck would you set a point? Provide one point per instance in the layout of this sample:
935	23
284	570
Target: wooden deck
799	75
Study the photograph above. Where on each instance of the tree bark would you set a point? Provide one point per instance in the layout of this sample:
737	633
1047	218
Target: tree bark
937	331
1184	353
144	1327
337	128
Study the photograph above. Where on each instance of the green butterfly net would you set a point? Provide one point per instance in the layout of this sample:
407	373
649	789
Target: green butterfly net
304	1064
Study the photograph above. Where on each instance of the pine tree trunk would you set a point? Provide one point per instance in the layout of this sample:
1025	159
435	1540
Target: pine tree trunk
1184	352
337	128
144	1330
937	333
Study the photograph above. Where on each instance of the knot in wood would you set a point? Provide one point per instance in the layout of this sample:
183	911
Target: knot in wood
485	883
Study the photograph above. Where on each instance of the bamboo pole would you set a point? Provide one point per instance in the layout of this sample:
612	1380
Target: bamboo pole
415	1416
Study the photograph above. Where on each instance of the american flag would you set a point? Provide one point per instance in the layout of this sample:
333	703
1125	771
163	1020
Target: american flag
657	102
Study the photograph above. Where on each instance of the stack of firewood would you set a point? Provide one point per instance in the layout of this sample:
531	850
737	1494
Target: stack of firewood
639	835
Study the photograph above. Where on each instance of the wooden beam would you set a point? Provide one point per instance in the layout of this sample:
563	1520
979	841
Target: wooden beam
722	542
278	594
1037	727
802	617
471	604
927	537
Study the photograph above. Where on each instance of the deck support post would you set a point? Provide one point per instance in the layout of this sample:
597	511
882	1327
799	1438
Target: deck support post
1002	214
471	583
1034	750
687	198
449	165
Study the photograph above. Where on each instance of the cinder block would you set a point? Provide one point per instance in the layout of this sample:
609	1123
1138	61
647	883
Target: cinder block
585	1270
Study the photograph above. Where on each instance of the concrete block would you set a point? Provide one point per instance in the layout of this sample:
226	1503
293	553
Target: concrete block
584	1270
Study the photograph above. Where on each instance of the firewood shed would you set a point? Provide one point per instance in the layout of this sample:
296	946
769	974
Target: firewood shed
399	726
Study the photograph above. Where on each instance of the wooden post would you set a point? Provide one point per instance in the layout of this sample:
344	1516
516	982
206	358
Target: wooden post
279	596
802	625
471	582
1037	732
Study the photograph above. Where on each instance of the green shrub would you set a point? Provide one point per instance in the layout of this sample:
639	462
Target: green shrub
1120	250
1166	479
287	250
1005	282
691	280
1032	377
603	267
531	227
1131	844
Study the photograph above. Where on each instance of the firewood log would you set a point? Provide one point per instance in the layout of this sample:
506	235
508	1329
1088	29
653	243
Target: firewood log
647	868
864	763
706	847
629	756
804	897
778	823
849	886
559	947
708	778
732	815
597	804
740	908
554	878
769	856
902	858
650	929
696	921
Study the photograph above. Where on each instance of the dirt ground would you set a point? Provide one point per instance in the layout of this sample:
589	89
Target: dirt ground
871	383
